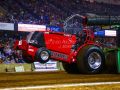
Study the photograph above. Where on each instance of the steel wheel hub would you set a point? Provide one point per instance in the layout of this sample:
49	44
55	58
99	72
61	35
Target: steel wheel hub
94	60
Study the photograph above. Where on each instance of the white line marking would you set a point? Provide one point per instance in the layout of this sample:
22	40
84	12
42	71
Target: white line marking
60	86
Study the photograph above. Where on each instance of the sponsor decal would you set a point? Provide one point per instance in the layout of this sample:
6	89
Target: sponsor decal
59	55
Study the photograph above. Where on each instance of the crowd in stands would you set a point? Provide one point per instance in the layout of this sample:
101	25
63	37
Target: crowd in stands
31	12
51	11
7	52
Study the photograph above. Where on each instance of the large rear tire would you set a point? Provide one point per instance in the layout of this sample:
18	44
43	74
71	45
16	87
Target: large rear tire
90	60
111	62
70	68
27	59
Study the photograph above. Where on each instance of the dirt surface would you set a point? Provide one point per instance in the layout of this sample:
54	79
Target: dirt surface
97	87
8	80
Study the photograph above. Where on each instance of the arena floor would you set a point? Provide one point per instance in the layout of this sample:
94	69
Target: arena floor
8	80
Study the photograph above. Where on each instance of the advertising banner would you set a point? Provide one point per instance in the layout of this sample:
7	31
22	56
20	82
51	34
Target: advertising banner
31	27
54	28
7	26
49	66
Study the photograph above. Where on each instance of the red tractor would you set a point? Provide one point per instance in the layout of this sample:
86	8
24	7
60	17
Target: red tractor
76	47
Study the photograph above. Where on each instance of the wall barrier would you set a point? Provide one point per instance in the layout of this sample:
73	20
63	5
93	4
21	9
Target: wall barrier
31	67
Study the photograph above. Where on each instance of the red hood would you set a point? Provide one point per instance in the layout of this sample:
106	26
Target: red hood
59	42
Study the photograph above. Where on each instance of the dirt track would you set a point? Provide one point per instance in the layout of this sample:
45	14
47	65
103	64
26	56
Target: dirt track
46	78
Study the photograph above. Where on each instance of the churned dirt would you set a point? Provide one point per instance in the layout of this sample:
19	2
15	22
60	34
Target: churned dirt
8	80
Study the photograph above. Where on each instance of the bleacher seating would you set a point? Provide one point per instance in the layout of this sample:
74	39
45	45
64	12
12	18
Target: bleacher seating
49	11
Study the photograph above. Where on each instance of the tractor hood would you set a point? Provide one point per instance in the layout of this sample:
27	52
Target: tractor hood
59	42
54	41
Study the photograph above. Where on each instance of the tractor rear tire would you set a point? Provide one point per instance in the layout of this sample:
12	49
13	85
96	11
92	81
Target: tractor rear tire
27	59
90	60
70	68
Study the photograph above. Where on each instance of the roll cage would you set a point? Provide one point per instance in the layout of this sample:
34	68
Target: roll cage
73	24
